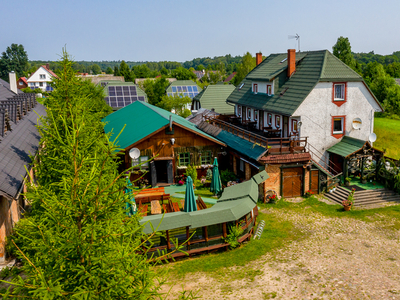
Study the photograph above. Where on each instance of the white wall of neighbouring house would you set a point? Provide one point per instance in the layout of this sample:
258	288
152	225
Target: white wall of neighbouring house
317	110
35	78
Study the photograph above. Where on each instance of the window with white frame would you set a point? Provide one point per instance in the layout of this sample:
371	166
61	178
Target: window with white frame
248	113
338	125
339	92
269	119
255	115
42	76
140	162
255	88
40	84
239	110
277	121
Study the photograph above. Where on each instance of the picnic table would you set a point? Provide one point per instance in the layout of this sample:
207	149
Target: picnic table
250	124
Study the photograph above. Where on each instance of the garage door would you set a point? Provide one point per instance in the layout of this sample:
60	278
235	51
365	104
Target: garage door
292	182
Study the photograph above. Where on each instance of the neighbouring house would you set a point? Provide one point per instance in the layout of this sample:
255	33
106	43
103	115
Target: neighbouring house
103	78
297	106
138	80
42	78
171	142
183	87
199	115
213	97
230	77
120	94
199	74
22	83
19	141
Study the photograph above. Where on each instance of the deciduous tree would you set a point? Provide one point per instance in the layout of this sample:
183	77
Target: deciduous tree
14	59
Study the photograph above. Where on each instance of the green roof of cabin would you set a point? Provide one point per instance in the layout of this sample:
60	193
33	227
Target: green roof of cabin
235	202
311	68
182	83
214	96
347	146
141	119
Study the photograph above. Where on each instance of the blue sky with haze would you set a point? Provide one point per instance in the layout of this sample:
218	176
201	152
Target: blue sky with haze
156	30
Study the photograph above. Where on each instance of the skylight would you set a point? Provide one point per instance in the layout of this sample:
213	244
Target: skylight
283	60
240	86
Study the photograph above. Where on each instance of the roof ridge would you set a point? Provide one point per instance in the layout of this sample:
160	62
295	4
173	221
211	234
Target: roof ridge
323	65
147	104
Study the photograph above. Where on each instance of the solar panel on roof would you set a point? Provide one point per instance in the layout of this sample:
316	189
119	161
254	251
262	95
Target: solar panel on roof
185	94
179	88
111	91
195	89
118	89
174	89
189	89
184	89
141	98
191	95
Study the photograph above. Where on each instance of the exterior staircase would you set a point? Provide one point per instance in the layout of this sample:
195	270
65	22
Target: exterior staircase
365	197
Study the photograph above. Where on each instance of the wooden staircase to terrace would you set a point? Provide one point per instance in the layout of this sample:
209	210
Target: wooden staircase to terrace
365	197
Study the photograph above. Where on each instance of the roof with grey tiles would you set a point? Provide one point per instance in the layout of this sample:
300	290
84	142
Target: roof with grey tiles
15	149
5	91
311	68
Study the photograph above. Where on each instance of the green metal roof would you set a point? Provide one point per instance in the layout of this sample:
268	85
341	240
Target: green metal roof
214	96
182	83
242	146
347	146
235	202
141	119
311	68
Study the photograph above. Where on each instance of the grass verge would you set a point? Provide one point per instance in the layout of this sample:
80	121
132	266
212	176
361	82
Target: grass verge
388	136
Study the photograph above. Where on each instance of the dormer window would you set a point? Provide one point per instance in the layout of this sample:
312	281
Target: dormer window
269	89
255	88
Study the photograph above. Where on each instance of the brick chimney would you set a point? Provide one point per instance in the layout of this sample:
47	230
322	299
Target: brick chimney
48	66
258	58
291	61
13	82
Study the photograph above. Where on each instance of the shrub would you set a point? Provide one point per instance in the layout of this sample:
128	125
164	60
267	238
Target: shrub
192	172
232	238
226	176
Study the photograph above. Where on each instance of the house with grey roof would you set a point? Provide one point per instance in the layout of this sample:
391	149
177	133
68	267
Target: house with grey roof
19	141
298	106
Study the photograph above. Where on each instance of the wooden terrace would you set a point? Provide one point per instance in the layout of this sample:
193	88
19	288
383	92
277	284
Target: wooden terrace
275	145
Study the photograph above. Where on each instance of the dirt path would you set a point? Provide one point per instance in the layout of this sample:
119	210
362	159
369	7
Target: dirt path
340	258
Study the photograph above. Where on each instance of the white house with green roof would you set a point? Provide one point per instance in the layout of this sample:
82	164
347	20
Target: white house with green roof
213	97
310	94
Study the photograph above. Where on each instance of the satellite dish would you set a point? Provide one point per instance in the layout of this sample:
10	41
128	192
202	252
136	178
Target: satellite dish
357	124
372	137
134	153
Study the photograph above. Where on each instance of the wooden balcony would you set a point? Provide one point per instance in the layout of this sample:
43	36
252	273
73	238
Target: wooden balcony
275	146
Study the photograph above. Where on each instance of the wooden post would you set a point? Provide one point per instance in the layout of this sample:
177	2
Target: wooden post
224	229
206	233
168	243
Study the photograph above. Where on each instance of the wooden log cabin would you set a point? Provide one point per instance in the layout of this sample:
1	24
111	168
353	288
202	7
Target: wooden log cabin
167	143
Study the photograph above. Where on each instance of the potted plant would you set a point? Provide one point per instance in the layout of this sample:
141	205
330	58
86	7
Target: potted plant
348	203
309	193
272	199
364	179
347	181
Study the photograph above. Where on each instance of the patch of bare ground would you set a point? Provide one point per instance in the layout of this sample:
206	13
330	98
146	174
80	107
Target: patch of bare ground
340	258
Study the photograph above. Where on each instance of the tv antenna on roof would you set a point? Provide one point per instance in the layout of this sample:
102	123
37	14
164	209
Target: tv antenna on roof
297	37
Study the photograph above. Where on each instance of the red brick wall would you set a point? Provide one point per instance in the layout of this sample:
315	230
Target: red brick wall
274	180
291	61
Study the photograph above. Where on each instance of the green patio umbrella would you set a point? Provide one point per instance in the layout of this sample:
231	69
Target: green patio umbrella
130	205
216	185
190	200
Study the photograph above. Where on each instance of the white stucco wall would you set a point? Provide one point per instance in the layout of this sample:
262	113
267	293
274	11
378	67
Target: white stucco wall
262	86
317	110
35	77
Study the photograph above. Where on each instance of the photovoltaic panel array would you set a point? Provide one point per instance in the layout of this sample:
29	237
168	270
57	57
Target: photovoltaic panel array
185	90
121	96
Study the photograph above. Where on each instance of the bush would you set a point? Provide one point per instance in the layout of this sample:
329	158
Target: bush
232	238
226	176
192	172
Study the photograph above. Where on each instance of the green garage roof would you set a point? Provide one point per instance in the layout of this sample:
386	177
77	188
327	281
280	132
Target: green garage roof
347	146
139	120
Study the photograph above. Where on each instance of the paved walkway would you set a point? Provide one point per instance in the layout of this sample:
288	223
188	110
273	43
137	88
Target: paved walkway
174	189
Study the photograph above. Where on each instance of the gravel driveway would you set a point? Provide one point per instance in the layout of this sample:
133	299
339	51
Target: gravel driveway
340	258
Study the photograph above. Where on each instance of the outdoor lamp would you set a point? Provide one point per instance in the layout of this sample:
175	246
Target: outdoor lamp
172	141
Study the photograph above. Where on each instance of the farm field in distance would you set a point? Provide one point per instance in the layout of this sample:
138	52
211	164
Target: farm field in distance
388	136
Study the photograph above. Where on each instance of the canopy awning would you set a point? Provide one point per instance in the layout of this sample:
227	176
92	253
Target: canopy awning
348	146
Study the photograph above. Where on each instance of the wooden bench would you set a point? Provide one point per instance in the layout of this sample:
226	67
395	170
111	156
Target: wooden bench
175	206
200	203
167	208
155	207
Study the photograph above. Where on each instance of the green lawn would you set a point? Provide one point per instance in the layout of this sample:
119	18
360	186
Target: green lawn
278	233
388	136
203	192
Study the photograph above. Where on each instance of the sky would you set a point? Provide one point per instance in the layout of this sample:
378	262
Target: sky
181	30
